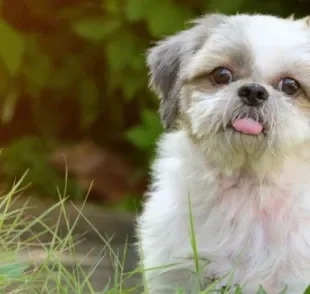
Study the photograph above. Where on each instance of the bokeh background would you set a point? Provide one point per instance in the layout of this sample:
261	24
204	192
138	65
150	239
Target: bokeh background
74	95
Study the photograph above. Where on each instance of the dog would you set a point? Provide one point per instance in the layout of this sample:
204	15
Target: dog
229	202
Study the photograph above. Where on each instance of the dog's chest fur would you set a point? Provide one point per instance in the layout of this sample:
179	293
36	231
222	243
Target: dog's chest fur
261	228
257	227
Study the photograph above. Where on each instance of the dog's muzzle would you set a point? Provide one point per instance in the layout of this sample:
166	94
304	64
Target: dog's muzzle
252	96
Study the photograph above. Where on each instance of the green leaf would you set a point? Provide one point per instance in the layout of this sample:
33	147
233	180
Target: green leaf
140	137
89	102
151	120
261	290
12	270
145	135
12	47
95	29
238	290
307	290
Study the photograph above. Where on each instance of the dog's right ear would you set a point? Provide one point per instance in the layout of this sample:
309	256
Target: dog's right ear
165	62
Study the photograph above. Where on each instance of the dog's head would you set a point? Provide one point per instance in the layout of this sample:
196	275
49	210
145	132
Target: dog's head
240	84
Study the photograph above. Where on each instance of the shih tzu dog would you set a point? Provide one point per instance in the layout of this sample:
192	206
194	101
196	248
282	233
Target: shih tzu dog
230	197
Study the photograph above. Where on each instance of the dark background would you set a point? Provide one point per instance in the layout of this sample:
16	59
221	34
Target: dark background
74	95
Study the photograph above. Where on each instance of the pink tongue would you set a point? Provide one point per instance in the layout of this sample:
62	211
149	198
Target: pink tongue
247	126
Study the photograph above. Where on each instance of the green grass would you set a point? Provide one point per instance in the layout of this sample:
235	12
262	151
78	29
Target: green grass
29	265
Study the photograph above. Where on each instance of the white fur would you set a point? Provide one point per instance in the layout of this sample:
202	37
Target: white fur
251	215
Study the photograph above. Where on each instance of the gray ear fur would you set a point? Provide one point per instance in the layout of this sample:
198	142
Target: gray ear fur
165	63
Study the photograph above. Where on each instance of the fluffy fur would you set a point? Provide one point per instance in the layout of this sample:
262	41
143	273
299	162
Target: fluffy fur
249	195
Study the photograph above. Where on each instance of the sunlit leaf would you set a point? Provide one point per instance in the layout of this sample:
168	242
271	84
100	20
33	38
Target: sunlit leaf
12	270
151	119
145	135
9	105
238	290
140	137
12	47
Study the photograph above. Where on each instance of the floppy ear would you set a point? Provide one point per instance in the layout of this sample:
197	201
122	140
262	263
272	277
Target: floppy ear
165	62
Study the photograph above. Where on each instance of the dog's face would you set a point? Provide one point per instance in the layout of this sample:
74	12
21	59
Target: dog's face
240	84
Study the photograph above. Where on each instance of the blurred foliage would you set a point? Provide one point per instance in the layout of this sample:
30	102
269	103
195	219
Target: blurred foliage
75	68
31	155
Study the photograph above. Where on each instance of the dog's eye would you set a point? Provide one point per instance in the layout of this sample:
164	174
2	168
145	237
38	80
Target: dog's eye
289	86
221	76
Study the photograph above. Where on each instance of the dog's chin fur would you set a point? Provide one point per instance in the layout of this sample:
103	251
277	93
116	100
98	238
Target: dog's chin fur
249	195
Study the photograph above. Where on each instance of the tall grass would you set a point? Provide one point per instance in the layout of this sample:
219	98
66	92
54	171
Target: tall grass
29	265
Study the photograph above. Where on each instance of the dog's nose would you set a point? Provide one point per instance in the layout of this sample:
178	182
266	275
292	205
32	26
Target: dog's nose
253	94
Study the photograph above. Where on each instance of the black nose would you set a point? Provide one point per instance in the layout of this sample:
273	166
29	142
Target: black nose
253	94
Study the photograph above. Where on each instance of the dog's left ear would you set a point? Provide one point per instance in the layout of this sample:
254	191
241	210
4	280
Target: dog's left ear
166	59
